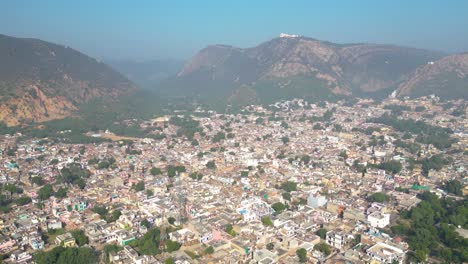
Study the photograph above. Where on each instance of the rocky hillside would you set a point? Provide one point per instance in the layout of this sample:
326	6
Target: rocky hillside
446	78
41	81
297	66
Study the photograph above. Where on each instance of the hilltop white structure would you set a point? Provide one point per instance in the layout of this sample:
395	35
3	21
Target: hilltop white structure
284	35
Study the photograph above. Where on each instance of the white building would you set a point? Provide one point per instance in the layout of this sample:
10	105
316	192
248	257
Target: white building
316	200
378	219
385	253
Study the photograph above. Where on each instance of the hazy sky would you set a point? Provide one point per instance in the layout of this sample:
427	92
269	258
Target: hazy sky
138	29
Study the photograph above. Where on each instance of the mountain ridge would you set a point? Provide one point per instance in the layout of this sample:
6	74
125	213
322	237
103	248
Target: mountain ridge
41	81
339	69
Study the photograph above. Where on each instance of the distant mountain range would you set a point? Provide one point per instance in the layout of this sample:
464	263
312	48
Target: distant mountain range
42	81
147	74
294	66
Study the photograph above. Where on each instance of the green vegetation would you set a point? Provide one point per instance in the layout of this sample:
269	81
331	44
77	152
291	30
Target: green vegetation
80	237
430	229
378	197
289	186
427	134
140	186
323	247
209	250
230	230
454	187
155	171
435	162
392	166
61	255
187	126
74	174
279	207
302	255
175	170
45	192
211	164
322	233
266	221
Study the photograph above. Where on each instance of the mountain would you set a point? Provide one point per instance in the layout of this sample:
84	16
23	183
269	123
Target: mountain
147	74
294	66
42	81
446	78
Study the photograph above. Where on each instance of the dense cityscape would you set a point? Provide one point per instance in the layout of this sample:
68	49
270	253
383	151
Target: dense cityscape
356	181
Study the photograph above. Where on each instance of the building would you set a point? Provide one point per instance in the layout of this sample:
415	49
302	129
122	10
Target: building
65	240
316	200
385	253
336	239
378	219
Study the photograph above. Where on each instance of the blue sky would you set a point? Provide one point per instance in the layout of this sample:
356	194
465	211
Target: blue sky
138	29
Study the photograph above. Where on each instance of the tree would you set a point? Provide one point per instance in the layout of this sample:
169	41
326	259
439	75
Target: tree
45	192
322	233
23	200
155	171
149	193
230	230
289	186
140	186
80	237
270	246
37	180
209	250
171	220
323	247
302	255
378	197
278	207
285	140
169	261
145	223
61	192
211	164
287	196
172	246
266	221
453	187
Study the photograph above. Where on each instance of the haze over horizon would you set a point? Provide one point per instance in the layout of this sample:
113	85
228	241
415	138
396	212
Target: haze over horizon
145	30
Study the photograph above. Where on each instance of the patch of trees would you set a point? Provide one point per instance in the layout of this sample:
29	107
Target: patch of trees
453	187
266	221
430	229
218	137
279	207
69	255
196	175
74	174
392	166
302	255
323	247
211	164
435	162
289	186
378	197
411	147
187	126
104	214
427	134
175	170
140	186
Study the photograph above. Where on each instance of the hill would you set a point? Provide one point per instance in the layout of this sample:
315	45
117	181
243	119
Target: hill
41	81
446	78
294	66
